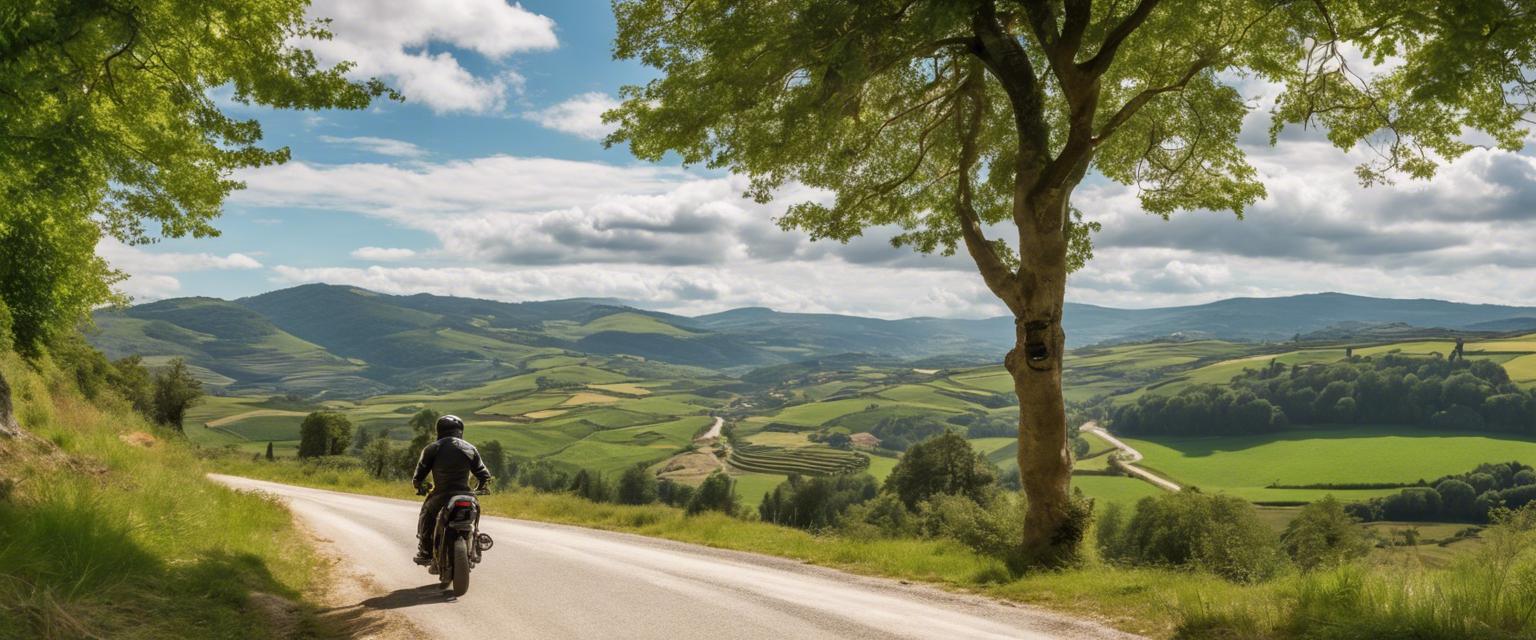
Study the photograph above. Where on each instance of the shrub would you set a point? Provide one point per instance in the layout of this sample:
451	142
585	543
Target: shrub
674	493
592	486
637	486
716	493
1220	534
883	517
1324	535
815	503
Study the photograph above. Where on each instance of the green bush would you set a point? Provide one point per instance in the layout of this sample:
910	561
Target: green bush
1221	534
883	517
716	493
815	503
1324	535
637	486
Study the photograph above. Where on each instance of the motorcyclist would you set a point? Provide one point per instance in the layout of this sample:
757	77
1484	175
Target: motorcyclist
451	461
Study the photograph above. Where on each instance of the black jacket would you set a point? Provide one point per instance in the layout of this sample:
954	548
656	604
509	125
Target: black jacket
450	461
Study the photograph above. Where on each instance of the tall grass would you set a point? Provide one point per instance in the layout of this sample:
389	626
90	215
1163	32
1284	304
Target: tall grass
114	537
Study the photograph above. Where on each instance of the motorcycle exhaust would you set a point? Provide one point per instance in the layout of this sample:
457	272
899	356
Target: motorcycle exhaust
484	541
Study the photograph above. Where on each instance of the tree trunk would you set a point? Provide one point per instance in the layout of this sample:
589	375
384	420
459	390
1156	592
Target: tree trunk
1052	529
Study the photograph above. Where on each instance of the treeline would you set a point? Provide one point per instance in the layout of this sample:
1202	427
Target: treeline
1428	391
1475	496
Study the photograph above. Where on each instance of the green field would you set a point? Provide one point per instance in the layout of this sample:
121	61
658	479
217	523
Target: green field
1245	465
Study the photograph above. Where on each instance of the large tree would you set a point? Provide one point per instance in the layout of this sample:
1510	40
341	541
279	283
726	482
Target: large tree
114	119
968	123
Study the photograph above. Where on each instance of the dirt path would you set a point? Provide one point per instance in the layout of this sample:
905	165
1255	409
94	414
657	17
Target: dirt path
552	581
256	413
1132	456
714	430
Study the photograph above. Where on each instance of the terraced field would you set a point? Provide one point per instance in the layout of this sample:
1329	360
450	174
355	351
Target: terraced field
816	461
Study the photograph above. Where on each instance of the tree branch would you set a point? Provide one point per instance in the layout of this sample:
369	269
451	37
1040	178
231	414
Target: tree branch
1002	281
1140	100
1099	63
1007	61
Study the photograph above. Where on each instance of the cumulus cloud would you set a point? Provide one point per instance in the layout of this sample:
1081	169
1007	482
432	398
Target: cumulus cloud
382	254
381	146
1463	236
404	42
580	115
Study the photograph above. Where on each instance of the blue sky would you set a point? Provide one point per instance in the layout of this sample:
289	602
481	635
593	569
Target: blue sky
489	181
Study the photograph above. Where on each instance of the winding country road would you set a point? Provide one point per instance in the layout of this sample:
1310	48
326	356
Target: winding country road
554	581
1132	456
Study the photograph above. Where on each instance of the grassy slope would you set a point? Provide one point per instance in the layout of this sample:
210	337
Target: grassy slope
105	538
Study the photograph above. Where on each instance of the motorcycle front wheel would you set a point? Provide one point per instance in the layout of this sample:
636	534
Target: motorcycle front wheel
460	566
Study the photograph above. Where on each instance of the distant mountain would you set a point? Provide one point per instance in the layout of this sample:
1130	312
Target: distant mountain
350	342
1276	318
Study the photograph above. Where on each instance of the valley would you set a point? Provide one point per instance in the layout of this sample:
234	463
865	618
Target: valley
542	399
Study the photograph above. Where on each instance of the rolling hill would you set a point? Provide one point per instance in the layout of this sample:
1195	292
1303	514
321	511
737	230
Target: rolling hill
351	342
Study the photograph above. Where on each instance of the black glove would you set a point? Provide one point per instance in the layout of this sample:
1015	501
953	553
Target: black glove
482	489
422	488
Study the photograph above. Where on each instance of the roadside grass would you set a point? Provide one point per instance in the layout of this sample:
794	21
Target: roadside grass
1245	465
109	530
1394	593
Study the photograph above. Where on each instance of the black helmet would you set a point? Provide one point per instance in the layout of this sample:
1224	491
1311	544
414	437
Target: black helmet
450	426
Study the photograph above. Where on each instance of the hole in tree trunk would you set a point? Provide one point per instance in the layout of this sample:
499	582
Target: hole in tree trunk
1035	348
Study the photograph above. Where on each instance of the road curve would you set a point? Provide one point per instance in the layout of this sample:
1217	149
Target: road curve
554	581
1132	456
714	430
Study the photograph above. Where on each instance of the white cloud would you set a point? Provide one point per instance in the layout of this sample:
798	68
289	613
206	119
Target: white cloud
381	253
381	146
811	287
136	260
151	275
580	115
541	228
395	40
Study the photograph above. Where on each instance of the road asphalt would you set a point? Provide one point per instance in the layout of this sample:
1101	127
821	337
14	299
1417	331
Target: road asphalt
553	581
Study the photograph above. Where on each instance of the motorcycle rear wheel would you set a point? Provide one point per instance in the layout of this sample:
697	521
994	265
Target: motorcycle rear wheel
460	566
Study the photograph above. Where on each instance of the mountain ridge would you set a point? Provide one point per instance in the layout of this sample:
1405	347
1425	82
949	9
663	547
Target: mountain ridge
349	340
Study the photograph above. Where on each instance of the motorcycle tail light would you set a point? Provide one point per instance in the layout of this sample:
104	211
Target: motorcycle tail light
463	503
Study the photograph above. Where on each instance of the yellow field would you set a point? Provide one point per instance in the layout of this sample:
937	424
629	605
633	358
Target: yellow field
253	414
547	413
587	398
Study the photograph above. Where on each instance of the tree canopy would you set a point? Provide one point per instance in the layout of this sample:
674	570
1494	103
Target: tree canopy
934	115
970	123
114	119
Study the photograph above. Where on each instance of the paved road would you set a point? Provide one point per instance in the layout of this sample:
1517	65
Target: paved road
1132	456
552	581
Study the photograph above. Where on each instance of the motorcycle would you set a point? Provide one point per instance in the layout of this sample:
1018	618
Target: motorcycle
457	543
